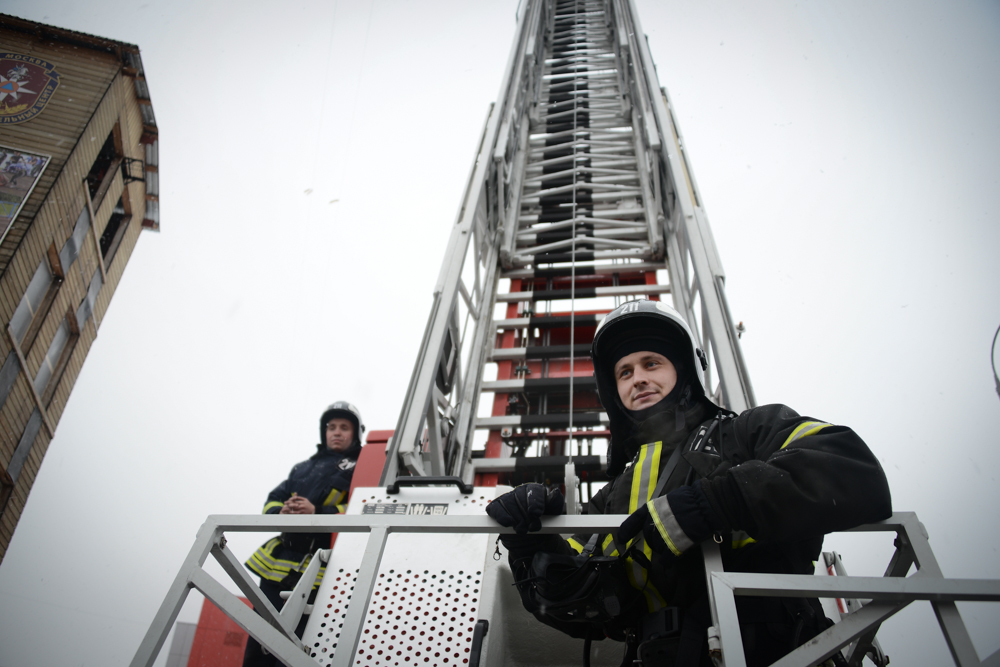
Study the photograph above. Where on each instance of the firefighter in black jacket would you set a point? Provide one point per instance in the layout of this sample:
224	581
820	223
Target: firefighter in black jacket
766	484
318	485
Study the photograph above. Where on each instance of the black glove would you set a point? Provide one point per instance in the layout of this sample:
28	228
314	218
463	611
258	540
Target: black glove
641	521
521	508
671	524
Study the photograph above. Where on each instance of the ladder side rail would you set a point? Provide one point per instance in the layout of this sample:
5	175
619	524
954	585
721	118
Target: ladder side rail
534	59
512	221
513	158
435	427
644	133
405	447
509	159
679	281
520	90
481	347
453	406
733	377
405	444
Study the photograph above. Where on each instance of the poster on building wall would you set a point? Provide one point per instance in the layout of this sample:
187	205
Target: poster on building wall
26	86
19	173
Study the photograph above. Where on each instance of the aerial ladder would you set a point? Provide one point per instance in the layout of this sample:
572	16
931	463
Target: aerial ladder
580	197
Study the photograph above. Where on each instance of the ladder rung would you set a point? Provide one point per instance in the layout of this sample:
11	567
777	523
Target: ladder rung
539	352
610	214
540	464
588	270
543	421
584	293
550	322
540	385
586	256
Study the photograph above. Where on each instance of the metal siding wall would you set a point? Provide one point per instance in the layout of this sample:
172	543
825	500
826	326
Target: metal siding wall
72	133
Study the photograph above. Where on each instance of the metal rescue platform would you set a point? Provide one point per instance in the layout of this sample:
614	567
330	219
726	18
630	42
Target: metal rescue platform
580	198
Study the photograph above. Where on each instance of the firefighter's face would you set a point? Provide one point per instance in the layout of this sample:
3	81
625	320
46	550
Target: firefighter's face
644	379
339	434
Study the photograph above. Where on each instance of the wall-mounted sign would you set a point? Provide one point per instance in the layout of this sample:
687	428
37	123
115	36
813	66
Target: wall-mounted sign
19	173
26	86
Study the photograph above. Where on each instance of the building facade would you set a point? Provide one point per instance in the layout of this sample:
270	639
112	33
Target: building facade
78	183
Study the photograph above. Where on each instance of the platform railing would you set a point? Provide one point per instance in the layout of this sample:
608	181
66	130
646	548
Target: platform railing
274	630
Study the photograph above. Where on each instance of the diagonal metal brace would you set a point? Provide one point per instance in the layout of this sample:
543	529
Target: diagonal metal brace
260	603
280	645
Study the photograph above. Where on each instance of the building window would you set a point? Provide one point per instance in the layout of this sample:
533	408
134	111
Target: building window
102	172
89	304
8	375
57	358
8	477
71	249
115	229
30	312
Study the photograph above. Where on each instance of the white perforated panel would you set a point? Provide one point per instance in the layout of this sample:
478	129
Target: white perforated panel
426	598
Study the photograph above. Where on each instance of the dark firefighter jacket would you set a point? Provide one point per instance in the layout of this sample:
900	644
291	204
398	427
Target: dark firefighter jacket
776	482
325	480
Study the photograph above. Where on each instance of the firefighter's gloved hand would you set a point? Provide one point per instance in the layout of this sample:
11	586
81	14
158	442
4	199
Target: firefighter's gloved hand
522	508
673	523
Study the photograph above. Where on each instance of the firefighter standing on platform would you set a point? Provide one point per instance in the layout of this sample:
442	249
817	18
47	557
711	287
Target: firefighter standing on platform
766	484
318	485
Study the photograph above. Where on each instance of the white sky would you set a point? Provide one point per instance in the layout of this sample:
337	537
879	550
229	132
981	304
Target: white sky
847	156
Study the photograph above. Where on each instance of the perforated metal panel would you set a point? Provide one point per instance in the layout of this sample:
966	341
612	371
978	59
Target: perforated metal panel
427	596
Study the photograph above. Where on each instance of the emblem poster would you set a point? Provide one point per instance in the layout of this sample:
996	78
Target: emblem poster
26	86
19	173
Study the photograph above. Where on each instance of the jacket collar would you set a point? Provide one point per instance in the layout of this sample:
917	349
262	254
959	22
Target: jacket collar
351	452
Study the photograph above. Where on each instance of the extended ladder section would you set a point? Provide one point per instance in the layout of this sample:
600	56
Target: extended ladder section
579	199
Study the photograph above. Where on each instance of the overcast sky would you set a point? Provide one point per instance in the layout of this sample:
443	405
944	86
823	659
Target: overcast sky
312	158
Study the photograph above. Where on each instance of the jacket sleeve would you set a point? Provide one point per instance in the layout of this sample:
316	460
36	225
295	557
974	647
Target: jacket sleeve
276	499
794	477
335	500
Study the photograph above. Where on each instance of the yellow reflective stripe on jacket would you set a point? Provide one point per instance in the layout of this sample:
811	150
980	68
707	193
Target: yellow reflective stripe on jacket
267	566
741	539
645	474
272	505
608	548
336	495
577	547
665	530
804	429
